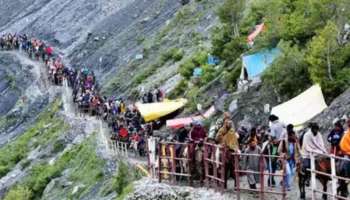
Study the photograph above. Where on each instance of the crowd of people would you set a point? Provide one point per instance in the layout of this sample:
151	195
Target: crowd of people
152	96
278	141
125	121
127	125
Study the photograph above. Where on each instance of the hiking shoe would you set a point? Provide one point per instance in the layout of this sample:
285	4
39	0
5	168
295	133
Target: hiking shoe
307	183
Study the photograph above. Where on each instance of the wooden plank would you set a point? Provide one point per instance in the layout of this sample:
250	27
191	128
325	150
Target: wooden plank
334	179
237	179
313	176
173	163
206	165
262	183
174	173
159	163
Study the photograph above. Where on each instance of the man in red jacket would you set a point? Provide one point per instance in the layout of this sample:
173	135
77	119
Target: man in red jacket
198	133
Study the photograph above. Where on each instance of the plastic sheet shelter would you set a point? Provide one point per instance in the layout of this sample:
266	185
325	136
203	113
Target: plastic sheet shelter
182	122
258	29
154	111
255	64
302	108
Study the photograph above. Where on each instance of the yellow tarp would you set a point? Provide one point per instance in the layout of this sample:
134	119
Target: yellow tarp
154	111
302	108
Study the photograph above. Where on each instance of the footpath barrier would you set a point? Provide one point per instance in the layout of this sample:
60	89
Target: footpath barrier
119	148
175	161
215	166
262	189
333	176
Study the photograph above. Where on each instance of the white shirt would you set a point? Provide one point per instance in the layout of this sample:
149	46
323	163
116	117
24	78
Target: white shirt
277	130
312	144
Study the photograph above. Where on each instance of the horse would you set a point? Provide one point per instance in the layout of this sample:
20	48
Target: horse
323	164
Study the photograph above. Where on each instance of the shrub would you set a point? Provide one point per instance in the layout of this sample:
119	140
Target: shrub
180	88
122	178
14	152
19	193
289	72
197	60
177	54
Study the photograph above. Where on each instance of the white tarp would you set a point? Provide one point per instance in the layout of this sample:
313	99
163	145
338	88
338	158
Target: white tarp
302	108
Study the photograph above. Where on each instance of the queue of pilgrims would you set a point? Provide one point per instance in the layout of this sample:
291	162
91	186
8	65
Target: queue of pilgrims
127	125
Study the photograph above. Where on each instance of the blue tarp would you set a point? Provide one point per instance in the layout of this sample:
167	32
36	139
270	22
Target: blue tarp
256	63
197	72
212	60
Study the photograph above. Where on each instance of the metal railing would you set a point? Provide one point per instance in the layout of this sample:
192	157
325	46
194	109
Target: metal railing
333	176
170	164
262	173
215	165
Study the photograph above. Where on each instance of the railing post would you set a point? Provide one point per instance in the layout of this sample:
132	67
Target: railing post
237	183
223	169
216	165
159	162
148	157
173	162
284	177
261	169
313	176
190	150
125	149
118	147
334	178
206	165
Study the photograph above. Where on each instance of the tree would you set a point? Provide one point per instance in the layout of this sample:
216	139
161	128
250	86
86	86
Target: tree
322	55
288	74
231	14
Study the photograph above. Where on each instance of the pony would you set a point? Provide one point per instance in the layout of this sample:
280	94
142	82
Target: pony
323	164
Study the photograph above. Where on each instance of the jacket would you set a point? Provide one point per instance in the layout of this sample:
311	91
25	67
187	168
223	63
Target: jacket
345	143
284	144
228	138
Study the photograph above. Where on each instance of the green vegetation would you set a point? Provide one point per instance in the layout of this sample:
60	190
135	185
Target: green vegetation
84	165
173	55
19	193
121	182
180	88
47	127
289	73
127	190
7	121
309	33
198	59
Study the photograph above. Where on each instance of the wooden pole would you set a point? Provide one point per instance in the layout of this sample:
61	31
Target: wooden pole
313	176
206	166
237	183
334	179
261	169
159	162
173	163
284	177
223	169
189	163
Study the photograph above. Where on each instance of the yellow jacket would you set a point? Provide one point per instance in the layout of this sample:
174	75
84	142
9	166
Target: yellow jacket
345	143
228	138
